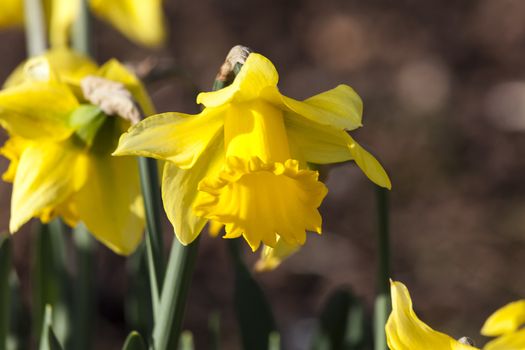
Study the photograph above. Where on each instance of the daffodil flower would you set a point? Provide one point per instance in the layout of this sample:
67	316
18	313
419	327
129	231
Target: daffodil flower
60	147
405	331
243	161
142	21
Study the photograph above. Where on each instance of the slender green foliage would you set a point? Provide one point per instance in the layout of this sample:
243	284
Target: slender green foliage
48	339
174	293
214	327
382	305
5	269
134	342
250	300
35	27
149	180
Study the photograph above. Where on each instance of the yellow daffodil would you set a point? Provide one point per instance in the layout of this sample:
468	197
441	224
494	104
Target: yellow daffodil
243	161
142	21
405	331
60	150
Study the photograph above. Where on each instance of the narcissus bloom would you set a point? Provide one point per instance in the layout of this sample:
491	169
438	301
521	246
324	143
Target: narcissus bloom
60	150
243	161
405	331
141	21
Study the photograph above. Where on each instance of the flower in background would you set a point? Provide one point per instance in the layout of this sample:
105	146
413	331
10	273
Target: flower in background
141	21
243	162
405	331
60	147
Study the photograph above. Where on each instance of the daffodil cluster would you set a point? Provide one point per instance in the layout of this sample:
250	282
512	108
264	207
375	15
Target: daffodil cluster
243	162
140	20
405	331
60	149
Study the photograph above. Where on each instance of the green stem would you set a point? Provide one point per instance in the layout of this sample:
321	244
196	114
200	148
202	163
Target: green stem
83	296
168	322
35	28
382	305
149	179
81	30
5	269
174	293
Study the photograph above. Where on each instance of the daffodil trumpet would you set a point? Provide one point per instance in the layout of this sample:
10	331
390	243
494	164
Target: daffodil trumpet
243	161
405	331
60	148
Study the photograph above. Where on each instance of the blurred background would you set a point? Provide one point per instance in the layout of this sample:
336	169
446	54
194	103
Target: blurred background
444	94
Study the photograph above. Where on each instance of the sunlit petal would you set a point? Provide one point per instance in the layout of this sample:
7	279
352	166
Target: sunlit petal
340	107
175	137
257	74
512	341
179	190
405	331
140	20
41	118
48	173
505	320
271	258
110	204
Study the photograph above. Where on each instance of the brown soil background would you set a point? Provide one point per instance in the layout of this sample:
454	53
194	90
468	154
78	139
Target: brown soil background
444	94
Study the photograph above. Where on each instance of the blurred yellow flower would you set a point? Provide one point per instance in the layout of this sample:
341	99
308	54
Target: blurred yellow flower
141	21
243	161
60	150
405	331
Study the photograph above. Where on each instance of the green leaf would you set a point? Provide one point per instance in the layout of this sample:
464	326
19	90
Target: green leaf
48	339
214	327
274	341
83	289
254	314
134	342
174	294
342	323
186	341
51	281
381	311
87	120
20	330
5	268
138	305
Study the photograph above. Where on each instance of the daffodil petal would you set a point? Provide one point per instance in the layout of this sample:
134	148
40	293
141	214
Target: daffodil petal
405	331
175	137
110	204
369	165
512	341
340	107
322	144
505	320
214	228
37	110
271	258
60	64
47	174
179	190
62	15
257	74
12	13
140	20
12	150
260	201
317	143
114	70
